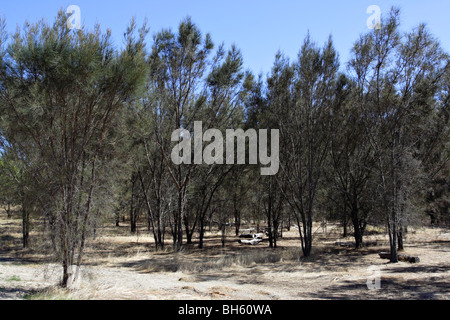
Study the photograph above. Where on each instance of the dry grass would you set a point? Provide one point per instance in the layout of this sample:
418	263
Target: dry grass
121	266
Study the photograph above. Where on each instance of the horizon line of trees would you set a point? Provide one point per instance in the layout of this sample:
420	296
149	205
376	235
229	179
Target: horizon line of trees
85	134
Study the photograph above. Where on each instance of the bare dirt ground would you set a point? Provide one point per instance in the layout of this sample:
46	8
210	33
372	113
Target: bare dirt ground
120	266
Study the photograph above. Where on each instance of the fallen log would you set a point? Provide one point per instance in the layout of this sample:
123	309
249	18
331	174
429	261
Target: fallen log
401	257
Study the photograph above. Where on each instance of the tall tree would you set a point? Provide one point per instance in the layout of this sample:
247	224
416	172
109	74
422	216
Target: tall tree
188	86
302	94
397	78
351	159
63	89
178	63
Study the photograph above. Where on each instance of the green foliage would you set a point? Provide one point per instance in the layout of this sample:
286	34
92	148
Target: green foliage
62	92
85	131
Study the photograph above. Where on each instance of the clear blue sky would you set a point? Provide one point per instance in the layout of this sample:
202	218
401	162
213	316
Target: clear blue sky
258	27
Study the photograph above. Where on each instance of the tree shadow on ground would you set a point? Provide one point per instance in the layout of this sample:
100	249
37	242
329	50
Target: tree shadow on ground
391	288
420	269
337	258
17	293
21	257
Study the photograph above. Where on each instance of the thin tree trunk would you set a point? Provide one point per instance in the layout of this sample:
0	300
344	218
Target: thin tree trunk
201	233
25	227
65	274
275	233
400	240
8	211
223	229
179	222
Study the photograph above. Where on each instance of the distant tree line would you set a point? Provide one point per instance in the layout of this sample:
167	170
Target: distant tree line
85	134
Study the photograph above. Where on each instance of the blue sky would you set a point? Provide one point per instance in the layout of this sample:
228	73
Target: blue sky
258	27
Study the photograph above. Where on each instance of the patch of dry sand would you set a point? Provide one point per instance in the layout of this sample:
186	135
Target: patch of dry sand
238	272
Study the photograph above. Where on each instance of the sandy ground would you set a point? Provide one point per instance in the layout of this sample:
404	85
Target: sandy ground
121	267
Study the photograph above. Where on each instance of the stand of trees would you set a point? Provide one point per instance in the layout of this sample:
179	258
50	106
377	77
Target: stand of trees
86	134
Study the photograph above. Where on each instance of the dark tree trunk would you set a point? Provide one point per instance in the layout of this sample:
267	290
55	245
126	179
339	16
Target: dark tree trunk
65	274
345	229
392	228
189	231
201	233
133	205
189	235
270	233
358	236
400	235
117	217
358	231
133	223
237	221
306	237
25	227
8	211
